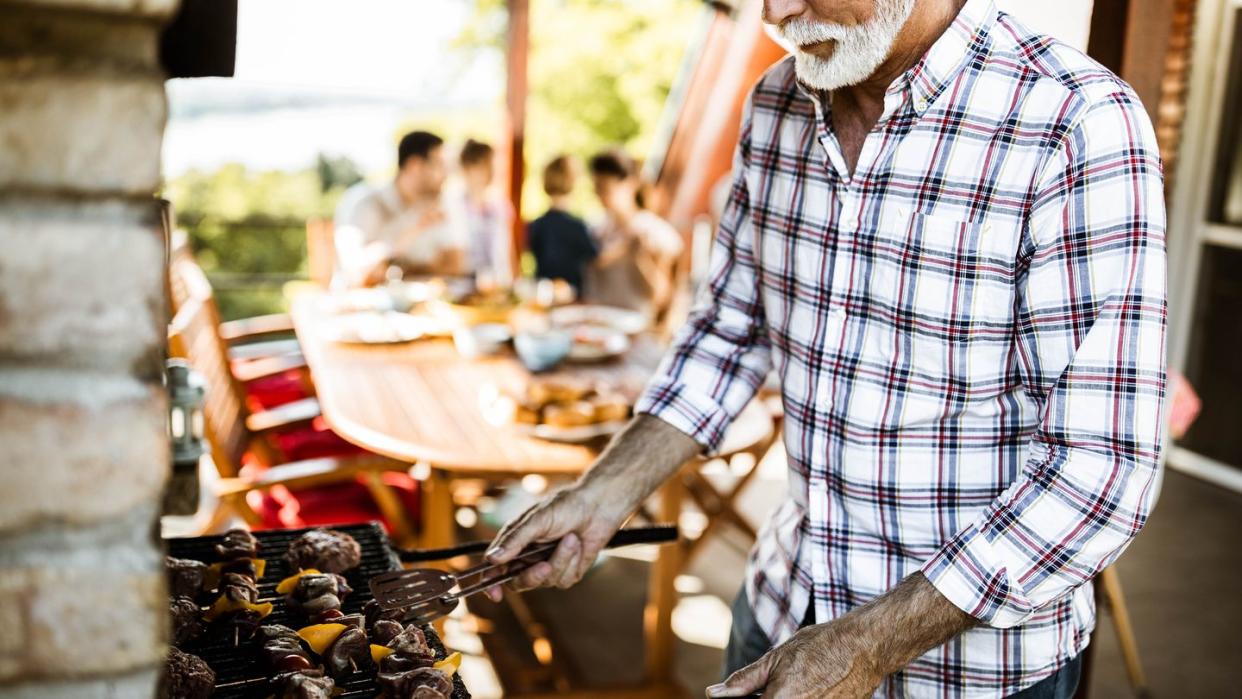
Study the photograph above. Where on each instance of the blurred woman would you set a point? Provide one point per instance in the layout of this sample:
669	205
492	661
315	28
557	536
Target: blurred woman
486	216
638	250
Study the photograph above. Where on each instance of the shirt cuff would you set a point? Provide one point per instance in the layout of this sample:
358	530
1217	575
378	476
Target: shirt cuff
691	411
968	571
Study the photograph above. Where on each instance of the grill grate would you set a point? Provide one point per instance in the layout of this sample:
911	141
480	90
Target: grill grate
240	671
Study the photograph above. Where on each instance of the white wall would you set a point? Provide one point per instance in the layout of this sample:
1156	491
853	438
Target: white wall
1067	20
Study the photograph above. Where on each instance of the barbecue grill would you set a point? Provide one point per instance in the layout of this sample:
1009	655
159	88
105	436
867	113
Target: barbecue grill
240	670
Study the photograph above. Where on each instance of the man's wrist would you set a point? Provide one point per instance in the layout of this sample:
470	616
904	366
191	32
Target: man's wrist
641	457
906	622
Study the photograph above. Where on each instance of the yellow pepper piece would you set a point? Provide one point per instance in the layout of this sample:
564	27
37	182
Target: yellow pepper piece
320	636
286	586
449	665
215	571
378	653
224	605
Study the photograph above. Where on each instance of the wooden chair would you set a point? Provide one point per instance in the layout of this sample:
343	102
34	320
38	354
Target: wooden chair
247	338
321	251
719	502
233	431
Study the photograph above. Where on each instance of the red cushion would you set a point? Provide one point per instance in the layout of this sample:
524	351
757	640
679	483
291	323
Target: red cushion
278	389
339	503
313	442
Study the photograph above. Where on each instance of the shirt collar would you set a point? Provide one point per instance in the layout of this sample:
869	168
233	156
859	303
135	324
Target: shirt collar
964	40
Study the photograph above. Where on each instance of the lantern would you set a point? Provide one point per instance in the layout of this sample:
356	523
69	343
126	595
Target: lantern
186	395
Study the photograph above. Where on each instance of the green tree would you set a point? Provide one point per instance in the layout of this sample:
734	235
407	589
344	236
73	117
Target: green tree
600	72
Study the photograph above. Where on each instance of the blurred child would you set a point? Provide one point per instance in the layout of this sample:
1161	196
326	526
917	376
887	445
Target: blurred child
561	243
486	216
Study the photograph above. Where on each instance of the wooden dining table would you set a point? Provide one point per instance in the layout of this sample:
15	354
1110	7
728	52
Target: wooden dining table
423	403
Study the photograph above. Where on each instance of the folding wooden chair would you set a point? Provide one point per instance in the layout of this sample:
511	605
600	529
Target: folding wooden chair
233	431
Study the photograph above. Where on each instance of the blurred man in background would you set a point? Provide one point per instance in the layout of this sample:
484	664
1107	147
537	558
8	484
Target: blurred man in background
403	224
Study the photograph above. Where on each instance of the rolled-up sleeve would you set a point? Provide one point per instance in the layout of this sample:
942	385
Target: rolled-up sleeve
722	354
1091	318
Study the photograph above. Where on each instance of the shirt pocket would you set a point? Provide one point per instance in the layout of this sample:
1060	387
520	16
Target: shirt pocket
941	311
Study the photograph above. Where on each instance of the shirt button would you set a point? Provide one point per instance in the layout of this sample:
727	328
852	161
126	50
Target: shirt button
837	314
921	104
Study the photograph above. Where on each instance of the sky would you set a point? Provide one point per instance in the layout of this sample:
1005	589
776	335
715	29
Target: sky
327	76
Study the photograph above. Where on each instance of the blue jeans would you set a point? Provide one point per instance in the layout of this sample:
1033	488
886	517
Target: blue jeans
747	643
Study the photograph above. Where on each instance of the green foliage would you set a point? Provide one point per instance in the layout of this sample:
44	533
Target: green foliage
599	71
248	229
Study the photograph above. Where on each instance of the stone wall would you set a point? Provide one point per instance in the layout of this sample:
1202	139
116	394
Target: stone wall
83	451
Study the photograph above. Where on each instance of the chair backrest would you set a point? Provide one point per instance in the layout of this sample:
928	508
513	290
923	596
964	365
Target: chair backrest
184	282
194	336
320	251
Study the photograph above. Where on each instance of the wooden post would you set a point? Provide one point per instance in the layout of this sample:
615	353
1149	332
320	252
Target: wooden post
518	48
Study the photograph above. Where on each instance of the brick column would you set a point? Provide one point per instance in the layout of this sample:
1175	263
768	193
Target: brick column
83	451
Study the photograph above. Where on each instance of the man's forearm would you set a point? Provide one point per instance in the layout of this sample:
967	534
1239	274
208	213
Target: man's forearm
907	621
637	461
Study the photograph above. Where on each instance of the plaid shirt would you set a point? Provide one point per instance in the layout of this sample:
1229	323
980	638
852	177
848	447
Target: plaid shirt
969	336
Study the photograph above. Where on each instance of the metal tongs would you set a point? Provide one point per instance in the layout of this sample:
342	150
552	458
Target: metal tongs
426	594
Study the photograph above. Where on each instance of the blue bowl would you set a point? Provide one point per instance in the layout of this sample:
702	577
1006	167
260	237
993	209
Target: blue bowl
542	351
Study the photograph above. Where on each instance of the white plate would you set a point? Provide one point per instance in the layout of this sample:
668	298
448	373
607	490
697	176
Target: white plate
571	435
378	328
595	344
619	319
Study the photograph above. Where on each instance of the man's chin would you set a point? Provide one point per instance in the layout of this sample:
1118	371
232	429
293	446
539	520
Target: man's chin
818	74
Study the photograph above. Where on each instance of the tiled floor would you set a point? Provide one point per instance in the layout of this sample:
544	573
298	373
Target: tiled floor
1182	576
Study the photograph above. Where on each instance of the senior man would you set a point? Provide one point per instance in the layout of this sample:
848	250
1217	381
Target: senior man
945	234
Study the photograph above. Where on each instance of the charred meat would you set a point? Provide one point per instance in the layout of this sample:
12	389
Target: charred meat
412	642
187	619
325	550
423	683
349	652
186	677
240	588
384	630
185	577
309	684
375	613
237	543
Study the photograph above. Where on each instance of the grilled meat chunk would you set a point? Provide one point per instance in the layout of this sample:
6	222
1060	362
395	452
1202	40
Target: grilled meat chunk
384	630
187	619
375	613
412	642
238	543
349	652
282	649
185	576
308	684
325	550
186	677
423	683
239	587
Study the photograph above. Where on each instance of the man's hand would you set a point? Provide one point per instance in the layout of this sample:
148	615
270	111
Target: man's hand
829	660
572	515
586	515
848	657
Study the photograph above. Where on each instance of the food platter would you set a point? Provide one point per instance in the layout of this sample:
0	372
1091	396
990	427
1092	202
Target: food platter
596	344
381	328
619	319
578	434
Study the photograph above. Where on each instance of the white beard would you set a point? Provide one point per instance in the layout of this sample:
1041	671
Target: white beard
860	49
